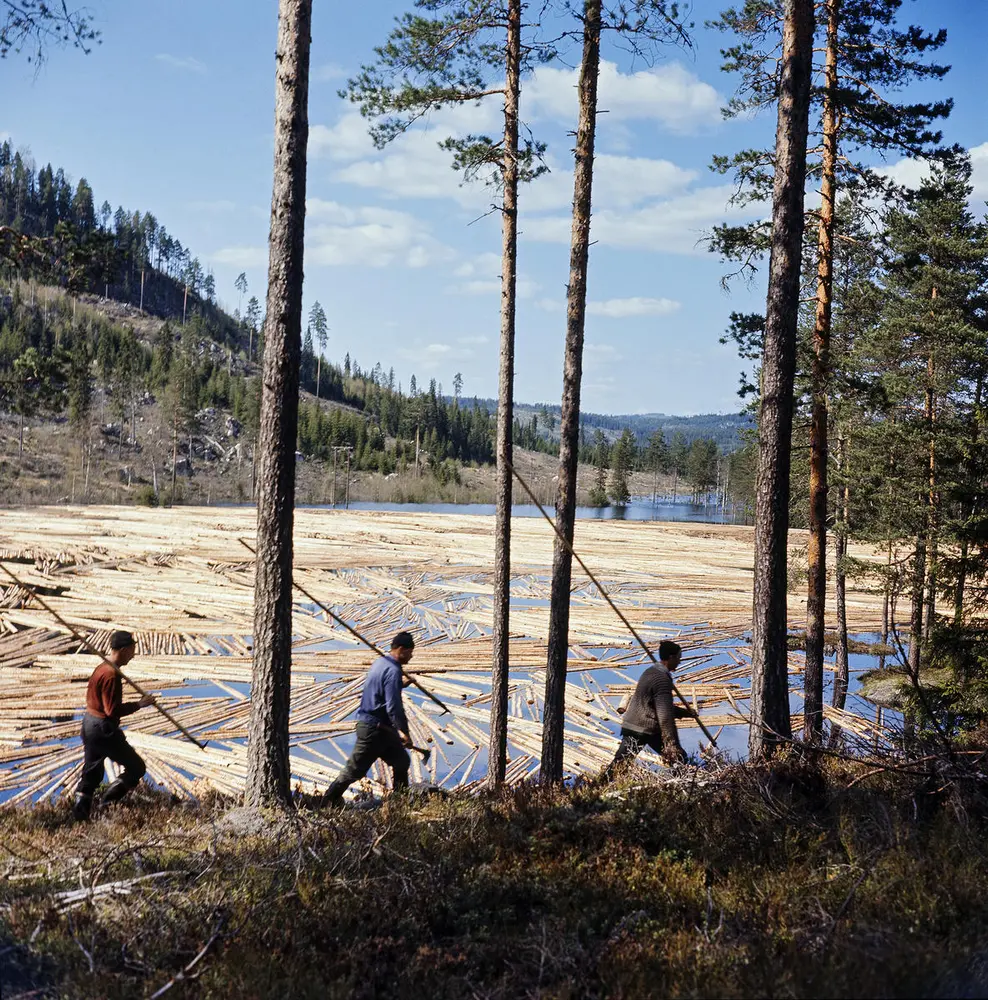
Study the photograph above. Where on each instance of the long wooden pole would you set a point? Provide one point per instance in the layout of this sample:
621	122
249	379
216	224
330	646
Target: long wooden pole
339	621
614	607
88	645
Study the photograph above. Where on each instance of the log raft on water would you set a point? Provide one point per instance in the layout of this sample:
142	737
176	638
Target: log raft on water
174	578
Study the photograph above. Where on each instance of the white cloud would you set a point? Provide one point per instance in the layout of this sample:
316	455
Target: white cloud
342	235
437	356
908	171
414	166
912	172
617	308
551	305
475	287
979	167
483	265
668	94
482	276
373	237
328	72
602	352
675	225
619	182
473	340
187	64
635	306
241	256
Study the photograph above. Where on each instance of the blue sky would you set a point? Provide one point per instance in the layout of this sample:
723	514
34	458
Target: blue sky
173	114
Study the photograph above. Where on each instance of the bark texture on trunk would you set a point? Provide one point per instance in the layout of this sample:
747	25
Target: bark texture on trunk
932	530
970	508
569	423
842	674
498	746
267	748
917	606
816	598
770	678
921	562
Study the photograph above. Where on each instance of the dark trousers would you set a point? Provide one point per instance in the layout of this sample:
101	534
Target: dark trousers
102	738
631	746
373	743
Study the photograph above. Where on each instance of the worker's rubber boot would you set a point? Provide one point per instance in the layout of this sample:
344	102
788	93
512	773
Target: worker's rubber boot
115	791
82	807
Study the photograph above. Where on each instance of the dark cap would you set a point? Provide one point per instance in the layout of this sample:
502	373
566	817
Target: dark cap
121	640
403	640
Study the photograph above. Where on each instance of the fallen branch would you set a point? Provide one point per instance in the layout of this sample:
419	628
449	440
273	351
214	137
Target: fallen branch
183	974
76	897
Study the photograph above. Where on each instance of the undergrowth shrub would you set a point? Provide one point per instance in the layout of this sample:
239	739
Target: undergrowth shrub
785	880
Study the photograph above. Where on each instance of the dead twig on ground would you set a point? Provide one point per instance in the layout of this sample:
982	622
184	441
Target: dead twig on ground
184	974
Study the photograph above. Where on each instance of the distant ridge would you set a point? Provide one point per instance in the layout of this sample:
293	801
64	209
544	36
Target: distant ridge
724	428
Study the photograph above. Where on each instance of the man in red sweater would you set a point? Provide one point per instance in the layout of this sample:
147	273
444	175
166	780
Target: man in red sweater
101	734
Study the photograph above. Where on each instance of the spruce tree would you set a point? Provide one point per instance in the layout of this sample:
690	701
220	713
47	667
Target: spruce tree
320	330
621	463
927	353
601	461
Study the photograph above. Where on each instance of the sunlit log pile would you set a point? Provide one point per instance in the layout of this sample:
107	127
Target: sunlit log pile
182	581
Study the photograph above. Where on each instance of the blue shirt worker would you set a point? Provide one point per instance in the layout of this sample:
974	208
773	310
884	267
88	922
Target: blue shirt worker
382	728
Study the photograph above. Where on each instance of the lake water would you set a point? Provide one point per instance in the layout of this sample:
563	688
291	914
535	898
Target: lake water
637	510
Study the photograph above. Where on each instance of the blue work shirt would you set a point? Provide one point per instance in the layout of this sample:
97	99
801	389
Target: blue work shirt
381	701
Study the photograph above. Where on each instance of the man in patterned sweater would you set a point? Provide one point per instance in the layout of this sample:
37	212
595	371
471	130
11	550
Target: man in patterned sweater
649	714
101	733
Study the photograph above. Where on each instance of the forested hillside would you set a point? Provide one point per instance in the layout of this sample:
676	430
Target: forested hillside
106	370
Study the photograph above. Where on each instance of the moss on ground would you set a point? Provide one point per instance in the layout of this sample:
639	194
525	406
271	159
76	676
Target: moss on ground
785	881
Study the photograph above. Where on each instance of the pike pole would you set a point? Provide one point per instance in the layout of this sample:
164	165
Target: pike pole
606	596
92	649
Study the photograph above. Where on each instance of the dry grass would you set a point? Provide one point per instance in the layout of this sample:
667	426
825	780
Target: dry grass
751	882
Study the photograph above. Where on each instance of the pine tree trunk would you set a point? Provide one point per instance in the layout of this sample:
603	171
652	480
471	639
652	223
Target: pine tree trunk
885	605
921	564
970	507
553	719
816	550
932	534
841	676
318	373
916	614
770	717
268	775
174	458
498	746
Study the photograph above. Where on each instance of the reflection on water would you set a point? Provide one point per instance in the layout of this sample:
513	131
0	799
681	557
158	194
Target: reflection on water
637	510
